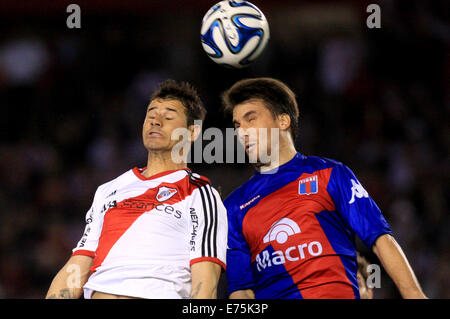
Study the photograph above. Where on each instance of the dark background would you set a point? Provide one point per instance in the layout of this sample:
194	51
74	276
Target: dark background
73	101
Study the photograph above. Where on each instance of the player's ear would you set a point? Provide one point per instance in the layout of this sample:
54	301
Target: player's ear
284	121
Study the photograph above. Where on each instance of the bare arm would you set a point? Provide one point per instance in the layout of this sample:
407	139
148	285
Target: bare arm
396	265
205	277
69	281
242	294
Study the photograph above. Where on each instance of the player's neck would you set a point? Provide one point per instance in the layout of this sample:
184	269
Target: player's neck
158	162
286	152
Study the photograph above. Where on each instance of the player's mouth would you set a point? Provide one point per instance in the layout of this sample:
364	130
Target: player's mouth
249	146
155	134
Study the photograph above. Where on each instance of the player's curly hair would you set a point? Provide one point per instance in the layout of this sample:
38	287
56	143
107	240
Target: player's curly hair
184	92
276	95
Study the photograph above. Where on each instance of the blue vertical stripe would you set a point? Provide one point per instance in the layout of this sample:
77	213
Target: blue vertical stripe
342	241
302	188
274	281
314	187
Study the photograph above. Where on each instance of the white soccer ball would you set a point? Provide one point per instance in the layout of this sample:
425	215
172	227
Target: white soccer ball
234	33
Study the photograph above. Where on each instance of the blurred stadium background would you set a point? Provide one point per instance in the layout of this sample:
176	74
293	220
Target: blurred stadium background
72	104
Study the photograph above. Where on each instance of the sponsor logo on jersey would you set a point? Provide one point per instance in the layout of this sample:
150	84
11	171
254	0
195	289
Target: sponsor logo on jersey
90	216
309	185
132	204
84	237
280	232
112	194
249	202
164	193
293	253
193	234
110	204
357	191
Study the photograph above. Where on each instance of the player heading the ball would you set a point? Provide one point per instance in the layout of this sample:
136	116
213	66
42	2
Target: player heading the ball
292	225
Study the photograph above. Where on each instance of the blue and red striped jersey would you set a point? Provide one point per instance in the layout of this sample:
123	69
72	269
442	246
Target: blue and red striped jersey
292	231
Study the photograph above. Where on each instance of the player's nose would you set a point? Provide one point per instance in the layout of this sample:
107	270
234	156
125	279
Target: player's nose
243	136
241	132
156	120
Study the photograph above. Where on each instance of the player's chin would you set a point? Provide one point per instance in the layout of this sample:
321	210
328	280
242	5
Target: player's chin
154	146
252	156
259	160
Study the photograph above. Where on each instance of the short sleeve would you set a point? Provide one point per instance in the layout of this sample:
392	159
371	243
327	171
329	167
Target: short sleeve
239	272
207	227
356	206
88	243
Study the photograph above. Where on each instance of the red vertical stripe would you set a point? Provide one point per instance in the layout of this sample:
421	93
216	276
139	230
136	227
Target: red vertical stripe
308	187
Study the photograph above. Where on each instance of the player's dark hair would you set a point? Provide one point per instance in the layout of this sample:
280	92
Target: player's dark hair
276	95
184	92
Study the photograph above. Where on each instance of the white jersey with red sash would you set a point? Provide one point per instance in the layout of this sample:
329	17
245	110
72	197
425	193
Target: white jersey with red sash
145	233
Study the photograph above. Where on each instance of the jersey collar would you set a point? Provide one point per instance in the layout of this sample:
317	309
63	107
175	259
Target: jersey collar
297	157
138	172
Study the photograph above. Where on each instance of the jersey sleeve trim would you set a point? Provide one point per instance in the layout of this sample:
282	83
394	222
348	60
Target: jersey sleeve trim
374	238
84	252
211	259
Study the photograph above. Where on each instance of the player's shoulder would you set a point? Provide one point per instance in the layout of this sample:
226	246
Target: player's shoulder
319	162
197	180
105	188
339	171
237	196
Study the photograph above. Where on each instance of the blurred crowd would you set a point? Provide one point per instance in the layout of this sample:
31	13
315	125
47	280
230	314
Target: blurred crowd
73	102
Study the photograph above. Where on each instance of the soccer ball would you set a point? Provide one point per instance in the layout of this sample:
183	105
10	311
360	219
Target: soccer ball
234	33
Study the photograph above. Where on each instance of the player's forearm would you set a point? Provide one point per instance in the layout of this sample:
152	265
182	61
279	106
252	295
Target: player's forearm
205	278
69	281
242	294
397	266
206	289
60	289
64	293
